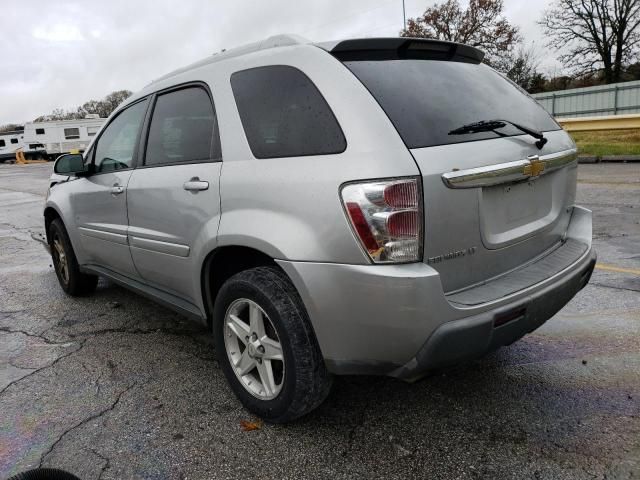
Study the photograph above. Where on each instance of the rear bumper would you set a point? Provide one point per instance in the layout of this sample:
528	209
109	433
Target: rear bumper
477	335
396	320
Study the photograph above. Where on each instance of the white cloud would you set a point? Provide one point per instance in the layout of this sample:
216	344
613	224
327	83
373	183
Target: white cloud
58	33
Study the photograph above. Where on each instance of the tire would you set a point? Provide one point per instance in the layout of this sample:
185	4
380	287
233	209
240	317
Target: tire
71	279
45	474
301	379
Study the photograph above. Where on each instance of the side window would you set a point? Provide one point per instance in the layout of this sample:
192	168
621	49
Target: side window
2	143
182	128
91	131
71	133
116	145
284	114
39	131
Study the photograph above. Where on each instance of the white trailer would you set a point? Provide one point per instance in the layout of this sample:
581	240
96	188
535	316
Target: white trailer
51	139
9	143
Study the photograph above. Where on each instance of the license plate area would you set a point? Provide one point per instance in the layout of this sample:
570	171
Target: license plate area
511	212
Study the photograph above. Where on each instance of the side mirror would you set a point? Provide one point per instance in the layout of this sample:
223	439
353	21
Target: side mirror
70	164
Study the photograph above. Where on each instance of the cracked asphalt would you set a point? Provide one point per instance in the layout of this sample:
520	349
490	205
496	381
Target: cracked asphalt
115	387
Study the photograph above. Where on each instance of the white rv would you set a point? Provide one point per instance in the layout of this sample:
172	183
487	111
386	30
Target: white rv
9	143
51	139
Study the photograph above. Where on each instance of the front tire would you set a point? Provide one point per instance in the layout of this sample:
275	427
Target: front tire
71	279
266	346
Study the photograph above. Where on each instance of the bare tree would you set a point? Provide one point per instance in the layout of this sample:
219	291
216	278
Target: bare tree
523	66
114	99
594	34
480	25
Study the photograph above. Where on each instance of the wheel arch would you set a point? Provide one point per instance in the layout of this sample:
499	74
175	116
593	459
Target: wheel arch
50	214
221	264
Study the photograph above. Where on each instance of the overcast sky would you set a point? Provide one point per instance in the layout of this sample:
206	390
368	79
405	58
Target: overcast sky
59	54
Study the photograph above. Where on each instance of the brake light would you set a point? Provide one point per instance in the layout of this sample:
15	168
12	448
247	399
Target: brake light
401	194
386	217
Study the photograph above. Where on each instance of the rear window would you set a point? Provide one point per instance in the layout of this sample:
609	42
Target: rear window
284	114
427	99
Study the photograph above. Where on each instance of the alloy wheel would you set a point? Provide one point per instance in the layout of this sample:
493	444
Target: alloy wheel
60	259
254	349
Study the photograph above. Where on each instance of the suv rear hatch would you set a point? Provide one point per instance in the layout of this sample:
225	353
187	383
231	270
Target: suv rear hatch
493	200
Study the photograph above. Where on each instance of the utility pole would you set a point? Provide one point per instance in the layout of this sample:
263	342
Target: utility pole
404	15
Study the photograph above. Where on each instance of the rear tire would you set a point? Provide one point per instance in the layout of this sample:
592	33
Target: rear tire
71	279
300	381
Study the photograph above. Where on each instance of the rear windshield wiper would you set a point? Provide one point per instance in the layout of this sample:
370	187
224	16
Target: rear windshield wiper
489	125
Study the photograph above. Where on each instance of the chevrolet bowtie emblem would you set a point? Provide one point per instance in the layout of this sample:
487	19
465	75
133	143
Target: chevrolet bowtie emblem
535	167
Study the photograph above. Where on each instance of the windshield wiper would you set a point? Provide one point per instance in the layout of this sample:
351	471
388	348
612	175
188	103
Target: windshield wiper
489	125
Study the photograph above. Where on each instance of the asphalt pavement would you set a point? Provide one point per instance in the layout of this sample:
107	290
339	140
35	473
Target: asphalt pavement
113	386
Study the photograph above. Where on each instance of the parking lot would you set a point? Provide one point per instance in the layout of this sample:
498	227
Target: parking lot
115	387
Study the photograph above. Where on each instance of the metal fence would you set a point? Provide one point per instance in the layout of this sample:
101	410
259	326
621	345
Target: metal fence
614	99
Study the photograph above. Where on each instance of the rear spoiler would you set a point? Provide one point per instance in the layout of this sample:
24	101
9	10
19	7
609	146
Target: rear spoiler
399	48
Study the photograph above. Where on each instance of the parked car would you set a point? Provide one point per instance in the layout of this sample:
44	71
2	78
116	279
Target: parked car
379	206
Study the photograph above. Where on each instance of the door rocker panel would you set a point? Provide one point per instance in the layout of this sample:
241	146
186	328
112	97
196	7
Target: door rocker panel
168	300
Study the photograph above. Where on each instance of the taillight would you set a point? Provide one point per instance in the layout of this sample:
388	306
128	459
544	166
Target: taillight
386	216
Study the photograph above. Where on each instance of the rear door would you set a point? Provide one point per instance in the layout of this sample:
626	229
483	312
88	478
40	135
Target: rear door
493	200
100	200
173	198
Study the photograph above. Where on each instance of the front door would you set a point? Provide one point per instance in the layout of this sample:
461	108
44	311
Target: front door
173	198
100	200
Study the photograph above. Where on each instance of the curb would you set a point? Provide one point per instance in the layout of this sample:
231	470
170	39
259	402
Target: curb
589	159
609	159
620	158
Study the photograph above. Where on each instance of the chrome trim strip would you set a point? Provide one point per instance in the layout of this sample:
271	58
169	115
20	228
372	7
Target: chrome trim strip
509	172
103	235
559	160
160	247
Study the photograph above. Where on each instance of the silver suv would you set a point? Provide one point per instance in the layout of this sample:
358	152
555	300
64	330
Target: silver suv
378	206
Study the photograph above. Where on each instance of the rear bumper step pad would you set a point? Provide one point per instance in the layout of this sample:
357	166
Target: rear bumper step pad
549	265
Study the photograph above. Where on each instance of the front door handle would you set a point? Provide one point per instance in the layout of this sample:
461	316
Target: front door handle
195	185
117	189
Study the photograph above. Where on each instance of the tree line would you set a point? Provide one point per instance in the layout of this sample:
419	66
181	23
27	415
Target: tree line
102	108
595	40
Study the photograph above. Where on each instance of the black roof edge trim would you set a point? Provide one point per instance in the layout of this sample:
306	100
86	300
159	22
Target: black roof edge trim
405	48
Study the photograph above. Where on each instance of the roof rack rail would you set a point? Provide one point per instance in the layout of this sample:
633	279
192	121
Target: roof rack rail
271	42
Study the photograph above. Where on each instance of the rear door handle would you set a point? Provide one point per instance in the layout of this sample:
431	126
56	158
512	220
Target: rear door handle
117	190
195	185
